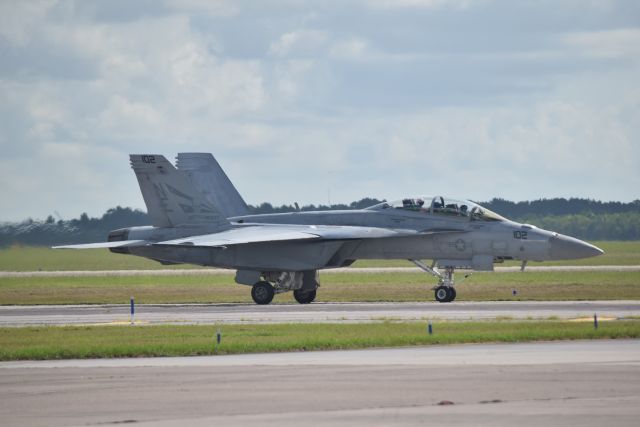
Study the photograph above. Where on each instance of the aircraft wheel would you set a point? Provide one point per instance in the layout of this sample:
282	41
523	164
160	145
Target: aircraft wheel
304	297
262	293
445	294
452	294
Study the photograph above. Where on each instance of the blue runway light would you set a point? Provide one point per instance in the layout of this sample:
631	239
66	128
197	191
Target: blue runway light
217	342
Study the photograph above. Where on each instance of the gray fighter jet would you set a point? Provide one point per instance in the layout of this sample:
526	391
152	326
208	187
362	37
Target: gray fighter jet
198	217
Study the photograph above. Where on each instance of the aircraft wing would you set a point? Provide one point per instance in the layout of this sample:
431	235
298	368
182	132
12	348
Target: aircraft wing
118	244
263	233
239	236
268	233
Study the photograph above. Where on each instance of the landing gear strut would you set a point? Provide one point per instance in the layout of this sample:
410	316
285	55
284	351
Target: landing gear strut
444	292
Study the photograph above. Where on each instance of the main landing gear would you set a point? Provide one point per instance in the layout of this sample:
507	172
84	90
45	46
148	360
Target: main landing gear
444	292
262	293
303	284
304	296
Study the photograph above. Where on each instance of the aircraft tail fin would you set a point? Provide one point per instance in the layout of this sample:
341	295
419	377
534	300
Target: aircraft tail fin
171	198
208	177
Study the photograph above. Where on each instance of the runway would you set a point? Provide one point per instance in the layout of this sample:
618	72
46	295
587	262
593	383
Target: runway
313	313
586	383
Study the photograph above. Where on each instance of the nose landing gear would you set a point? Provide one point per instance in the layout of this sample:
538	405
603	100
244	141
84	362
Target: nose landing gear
444	292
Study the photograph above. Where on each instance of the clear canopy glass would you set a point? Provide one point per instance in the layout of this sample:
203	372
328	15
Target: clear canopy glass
441	206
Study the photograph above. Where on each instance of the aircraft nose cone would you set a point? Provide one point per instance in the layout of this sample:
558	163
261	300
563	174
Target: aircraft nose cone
565	247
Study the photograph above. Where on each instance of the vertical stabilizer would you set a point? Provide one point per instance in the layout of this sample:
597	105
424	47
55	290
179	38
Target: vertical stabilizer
209	179
171	198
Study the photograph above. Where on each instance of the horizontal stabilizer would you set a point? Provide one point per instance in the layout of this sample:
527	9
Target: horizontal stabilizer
103	245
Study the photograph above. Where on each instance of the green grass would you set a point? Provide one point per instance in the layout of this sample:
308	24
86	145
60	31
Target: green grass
532	286
135	341
340	287
28	258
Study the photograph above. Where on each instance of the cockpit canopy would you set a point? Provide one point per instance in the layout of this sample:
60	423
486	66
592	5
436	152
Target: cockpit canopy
442	207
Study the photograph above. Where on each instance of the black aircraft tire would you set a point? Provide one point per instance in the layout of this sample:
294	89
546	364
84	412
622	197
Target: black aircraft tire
262	293
304	297
442	294
452	294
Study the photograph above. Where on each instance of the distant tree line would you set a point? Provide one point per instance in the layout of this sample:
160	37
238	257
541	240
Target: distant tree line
80	230
581	218
559	206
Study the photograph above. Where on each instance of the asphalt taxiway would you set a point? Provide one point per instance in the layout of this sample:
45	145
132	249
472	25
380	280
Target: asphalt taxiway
586	383
312	313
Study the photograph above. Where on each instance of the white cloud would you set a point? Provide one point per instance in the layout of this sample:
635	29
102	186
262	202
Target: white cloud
290	77
121	113
304	42
351	49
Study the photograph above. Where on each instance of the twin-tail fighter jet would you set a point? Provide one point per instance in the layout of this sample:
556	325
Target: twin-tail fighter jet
198	217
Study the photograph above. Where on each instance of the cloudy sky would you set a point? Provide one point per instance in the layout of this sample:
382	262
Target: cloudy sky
306	101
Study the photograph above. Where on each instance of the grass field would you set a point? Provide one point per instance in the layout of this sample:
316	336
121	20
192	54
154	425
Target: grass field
135	341
340	287
27	258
